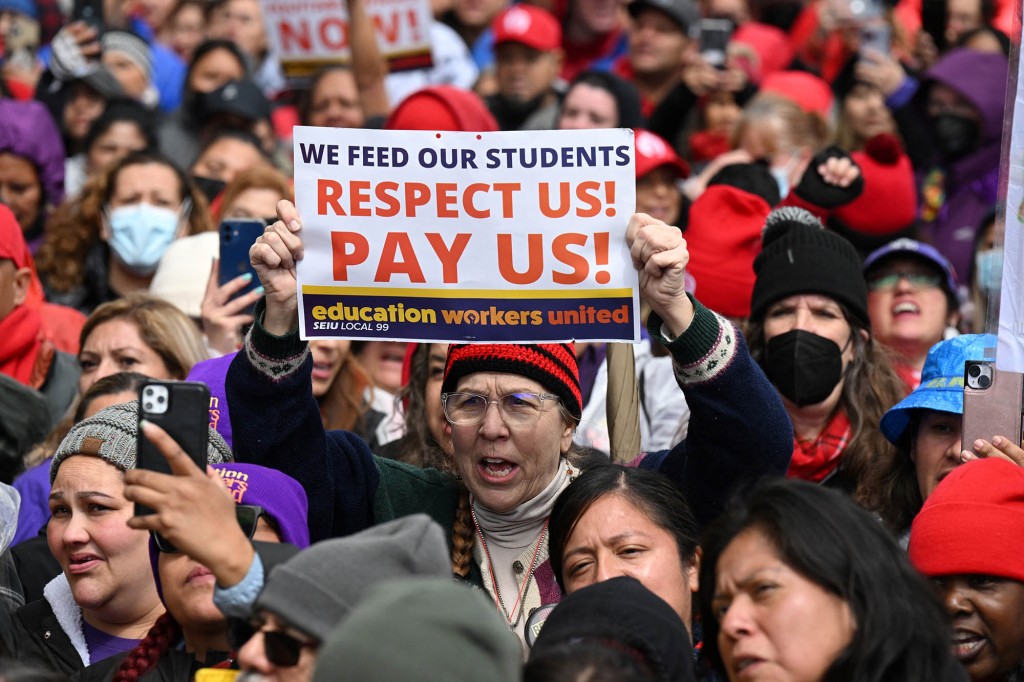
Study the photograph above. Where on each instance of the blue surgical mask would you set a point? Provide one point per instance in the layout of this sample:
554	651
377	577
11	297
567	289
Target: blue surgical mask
989	268
781	176
140	234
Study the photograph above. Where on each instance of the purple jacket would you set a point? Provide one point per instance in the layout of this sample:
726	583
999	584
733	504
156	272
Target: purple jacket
971	182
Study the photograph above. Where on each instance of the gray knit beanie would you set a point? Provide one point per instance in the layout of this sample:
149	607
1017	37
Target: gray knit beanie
320	586
424	629
111	435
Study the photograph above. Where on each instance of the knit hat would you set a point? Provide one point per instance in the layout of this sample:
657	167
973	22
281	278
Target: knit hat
810	92
552	365
799	256
111	435
942	383
27	130
911	248
442	107
319	587
652	151
888	203
443	632
721	260
530	25
12	240
626	615
973	523
280	495
131	46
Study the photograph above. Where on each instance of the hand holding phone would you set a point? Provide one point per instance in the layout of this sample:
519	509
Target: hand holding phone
182	409
992	404
714	40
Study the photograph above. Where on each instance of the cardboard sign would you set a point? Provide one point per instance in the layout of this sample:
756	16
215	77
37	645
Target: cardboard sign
466	237
310	34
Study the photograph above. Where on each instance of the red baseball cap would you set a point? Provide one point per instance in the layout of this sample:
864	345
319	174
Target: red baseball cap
652	152
811	93
529	25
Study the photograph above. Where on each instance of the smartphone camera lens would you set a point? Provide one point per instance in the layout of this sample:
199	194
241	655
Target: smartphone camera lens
149	407
160	399
984	381
974	371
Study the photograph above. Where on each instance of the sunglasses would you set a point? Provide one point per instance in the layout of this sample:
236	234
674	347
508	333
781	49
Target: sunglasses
247	515
281	649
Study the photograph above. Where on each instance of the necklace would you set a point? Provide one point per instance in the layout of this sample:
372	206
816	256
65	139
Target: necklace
499	603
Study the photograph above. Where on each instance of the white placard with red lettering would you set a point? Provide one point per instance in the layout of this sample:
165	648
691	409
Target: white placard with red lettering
310	34
466	237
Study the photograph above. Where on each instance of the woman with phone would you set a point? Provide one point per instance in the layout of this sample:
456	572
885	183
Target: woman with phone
515	460
268	507
105	600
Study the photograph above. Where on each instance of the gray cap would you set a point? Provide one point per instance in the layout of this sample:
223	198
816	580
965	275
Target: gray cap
424	629
316	589
112	433
683	12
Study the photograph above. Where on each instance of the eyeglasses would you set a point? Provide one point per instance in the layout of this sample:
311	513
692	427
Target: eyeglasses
516	408
885	281
281	649
248	515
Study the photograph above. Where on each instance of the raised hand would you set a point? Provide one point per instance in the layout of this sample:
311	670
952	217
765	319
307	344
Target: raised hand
659	254
273	256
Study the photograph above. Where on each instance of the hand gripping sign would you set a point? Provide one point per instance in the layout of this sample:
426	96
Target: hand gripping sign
466	237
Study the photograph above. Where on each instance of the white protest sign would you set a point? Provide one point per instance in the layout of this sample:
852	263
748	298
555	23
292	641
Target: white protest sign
466	237
310	34
1010	348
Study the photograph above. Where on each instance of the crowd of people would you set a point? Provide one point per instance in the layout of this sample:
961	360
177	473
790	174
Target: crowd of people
817	258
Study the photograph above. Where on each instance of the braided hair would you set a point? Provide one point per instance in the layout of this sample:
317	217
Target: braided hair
143	658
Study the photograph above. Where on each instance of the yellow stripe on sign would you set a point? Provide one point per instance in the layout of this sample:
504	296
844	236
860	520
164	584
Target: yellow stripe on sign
468	293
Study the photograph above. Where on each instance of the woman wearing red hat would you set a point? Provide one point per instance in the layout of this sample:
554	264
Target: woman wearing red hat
969	539
512	462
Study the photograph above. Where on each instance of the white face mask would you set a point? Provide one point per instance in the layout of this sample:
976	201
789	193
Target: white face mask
140	235
782	173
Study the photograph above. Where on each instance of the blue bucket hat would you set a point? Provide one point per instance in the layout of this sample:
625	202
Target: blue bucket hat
942	382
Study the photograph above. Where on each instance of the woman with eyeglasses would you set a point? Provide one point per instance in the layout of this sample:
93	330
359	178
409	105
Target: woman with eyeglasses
809	329
193	633
912	302
511	410
105	599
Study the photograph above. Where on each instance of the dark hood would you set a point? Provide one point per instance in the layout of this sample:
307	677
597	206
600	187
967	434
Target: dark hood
981	79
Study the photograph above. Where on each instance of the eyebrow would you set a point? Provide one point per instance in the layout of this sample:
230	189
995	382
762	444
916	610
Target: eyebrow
612	540
58	495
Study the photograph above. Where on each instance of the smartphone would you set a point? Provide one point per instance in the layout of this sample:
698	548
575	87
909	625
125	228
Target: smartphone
236	237
876	36
933	21
992	403
182	409
91	12
714	39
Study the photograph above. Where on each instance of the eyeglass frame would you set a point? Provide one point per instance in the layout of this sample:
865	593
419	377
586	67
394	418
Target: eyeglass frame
165	546
497	402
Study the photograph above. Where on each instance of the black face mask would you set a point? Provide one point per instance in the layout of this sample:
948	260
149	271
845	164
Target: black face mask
209	187
805	367
955	136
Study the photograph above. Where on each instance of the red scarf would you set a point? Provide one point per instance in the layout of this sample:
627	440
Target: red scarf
814	460
20	342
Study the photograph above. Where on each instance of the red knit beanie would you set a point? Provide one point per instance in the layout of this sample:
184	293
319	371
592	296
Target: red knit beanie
811	93
973	524
888	203
552	365
723	238
442	107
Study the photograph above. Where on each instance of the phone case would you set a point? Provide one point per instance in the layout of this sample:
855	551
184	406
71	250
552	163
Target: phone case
236	238
992	411
186	419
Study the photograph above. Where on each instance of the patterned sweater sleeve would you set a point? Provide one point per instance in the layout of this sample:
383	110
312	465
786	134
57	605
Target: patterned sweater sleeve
275	422
739	430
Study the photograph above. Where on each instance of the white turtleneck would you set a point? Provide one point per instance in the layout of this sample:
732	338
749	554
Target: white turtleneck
513	536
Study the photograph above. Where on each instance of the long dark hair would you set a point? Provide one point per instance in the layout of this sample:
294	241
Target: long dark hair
652	493
901	629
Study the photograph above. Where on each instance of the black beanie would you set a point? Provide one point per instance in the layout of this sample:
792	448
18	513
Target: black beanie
799	256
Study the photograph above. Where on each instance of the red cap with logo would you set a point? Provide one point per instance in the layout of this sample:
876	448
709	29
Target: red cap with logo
529	25
653	151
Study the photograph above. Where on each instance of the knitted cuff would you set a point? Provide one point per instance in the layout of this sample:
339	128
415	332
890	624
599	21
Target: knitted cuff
814	189
275	356
704	350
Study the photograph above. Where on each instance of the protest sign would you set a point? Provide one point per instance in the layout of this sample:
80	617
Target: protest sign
1010	352
466	237
307	35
